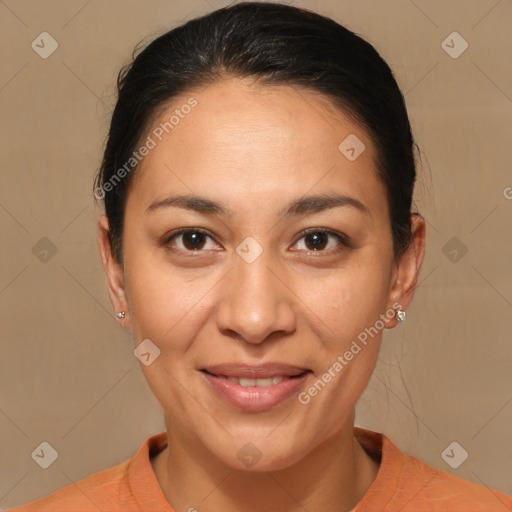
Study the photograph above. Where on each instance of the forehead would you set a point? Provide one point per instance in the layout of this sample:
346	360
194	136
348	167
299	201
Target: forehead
242	138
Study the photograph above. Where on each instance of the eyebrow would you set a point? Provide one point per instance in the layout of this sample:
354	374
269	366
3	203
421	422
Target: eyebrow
300	206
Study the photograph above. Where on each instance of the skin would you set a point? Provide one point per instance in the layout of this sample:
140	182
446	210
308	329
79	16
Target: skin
254	149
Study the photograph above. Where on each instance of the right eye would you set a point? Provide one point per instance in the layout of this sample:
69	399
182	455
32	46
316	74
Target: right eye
189	240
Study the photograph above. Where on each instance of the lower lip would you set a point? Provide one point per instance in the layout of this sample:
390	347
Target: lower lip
254	398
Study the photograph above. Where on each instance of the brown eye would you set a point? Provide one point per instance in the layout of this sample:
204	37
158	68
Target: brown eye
193	240
190	240
321	240
316	241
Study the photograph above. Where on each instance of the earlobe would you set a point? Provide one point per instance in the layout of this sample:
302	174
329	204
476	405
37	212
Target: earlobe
114	273
408	267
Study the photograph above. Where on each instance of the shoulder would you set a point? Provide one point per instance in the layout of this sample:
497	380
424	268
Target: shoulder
98	491
432	490
121	488
407	484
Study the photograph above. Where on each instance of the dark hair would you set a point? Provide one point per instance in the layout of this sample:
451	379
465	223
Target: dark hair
275	44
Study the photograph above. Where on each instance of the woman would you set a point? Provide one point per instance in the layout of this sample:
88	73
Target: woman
258	238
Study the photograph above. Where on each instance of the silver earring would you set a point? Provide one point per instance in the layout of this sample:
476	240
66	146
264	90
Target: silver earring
121	314
400	315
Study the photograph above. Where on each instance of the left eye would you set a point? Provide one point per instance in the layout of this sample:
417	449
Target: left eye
318	240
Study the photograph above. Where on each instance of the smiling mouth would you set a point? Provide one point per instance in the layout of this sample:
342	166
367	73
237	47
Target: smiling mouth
255	389
260	382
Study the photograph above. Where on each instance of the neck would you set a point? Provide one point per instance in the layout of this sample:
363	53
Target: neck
335	475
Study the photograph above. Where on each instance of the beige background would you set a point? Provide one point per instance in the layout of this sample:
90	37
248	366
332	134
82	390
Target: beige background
68	374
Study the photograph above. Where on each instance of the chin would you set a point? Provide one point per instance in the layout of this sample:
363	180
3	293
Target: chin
260	454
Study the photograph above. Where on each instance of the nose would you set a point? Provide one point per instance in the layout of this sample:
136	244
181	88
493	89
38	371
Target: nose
256	302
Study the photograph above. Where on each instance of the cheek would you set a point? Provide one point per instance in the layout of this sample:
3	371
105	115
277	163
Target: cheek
353	303
349	299
163	301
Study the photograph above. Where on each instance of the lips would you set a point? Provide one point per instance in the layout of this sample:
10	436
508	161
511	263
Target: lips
266	371
255	388
260	383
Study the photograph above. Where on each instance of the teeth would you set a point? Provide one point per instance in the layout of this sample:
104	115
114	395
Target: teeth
262	383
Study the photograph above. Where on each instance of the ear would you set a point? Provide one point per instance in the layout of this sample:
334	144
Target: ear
114	272
407	269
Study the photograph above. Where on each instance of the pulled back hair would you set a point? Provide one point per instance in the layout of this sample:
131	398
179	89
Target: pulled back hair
274	44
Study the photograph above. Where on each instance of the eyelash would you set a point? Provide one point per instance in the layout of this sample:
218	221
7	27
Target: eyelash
342	239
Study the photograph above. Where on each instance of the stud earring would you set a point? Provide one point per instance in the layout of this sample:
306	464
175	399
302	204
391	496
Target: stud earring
400	315
121	314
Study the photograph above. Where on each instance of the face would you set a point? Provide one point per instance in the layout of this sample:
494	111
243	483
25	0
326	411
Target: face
280	254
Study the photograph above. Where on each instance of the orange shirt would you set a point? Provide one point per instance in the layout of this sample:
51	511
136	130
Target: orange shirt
403	484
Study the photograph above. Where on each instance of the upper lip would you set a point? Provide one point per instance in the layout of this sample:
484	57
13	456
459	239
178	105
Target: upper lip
255	372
